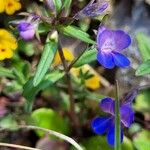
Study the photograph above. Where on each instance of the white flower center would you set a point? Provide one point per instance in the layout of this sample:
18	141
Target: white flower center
108	46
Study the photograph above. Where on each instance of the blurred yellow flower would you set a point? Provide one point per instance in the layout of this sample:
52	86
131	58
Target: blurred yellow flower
2	6
67	54
9	6
91	83
7	44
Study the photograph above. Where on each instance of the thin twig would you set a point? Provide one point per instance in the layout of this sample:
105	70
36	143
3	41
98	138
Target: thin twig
73	115
74	61
17	146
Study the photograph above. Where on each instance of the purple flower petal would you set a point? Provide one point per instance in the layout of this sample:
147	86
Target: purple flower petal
107	105
122	40
105	40
26	30
120	60
111	135
111	40
27	35
127	115
105	59
24	26
92	9
100	30
101	124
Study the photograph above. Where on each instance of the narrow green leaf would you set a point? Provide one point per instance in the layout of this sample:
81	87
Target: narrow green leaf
43	28
6	73
30	91
143	69
77	33
144	46
67	3
47	57
66	6
58	5
87	57
19	76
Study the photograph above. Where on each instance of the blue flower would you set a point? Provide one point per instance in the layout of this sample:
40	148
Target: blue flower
101	125
92	9
110	43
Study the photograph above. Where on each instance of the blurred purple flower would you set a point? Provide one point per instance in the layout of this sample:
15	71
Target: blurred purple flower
92	9
50	5
110	43
27	27
101	125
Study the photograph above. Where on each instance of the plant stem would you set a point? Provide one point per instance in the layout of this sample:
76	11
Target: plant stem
117	120
73	115
17	146
74	61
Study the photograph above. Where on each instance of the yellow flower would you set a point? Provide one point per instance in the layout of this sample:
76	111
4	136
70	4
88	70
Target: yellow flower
9	6
5	52
67	54
2	6
91	83
7	44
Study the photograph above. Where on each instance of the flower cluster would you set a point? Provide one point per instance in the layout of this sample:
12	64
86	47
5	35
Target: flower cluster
7	44
102	125
9	6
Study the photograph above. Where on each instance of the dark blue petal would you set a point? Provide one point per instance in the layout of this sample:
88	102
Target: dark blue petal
127	115
111	135
108	105
120	60
101	124
105	59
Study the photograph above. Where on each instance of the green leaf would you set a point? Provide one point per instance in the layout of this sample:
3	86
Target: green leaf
87	57
26	47
48	54
6	73
30	91
19	76
66	6
58	5
143	69
49	119
8	122
43	28
76	33
142	102
142	140
144	46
